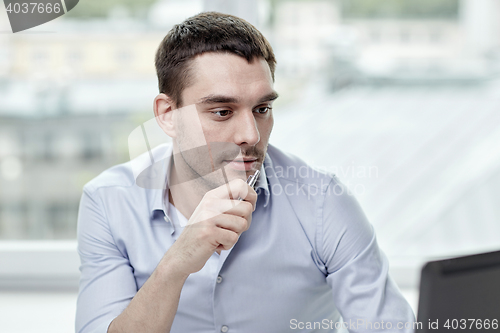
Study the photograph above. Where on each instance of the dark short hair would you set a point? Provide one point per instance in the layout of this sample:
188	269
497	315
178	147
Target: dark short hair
206	32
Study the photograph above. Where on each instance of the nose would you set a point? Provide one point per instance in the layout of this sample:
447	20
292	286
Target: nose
246	130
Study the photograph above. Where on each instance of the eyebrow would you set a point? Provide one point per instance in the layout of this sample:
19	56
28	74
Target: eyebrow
215	99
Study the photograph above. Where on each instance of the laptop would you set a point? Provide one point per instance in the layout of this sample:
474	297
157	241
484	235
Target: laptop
460	294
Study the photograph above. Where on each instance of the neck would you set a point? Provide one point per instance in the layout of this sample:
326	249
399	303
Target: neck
184	194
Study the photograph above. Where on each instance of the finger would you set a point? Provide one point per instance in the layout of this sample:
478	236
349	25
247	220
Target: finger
251	197
236	188
226	238
236	207
240	208
234	223
227	206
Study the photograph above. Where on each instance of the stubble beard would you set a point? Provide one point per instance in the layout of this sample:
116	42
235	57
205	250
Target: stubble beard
203	166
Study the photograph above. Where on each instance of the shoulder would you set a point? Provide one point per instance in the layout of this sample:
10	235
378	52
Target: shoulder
313	186
288	168
120	175
326	208
129	174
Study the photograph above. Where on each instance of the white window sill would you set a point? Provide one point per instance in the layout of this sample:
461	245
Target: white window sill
39	265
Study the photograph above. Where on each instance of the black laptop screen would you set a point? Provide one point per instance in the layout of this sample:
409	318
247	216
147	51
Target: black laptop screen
461	294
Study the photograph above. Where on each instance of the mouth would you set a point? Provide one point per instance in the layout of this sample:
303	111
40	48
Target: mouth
243	164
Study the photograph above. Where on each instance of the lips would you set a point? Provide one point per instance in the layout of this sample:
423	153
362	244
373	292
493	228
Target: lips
240	159
244	164
245	160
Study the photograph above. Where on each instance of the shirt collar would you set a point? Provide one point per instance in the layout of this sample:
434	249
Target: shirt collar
162	155
262	183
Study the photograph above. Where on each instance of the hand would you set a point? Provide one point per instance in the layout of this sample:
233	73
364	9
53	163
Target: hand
216	224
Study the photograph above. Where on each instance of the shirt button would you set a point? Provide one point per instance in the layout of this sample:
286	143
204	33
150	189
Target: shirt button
219	280
224	329
165	218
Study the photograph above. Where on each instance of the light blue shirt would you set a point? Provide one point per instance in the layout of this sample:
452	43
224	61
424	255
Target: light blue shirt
308	263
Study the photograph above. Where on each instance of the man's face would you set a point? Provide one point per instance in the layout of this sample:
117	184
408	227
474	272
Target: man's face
227	114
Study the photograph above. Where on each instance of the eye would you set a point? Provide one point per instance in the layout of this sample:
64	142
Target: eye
222	113
263	109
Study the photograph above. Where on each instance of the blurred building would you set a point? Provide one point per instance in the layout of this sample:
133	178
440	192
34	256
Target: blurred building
301	32
44	163
409	49
431	49
319	37
68	101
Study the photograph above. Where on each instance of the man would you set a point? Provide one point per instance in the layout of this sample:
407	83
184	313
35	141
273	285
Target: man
205	252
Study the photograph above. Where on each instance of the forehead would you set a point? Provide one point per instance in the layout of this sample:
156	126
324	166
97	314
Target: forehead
228	74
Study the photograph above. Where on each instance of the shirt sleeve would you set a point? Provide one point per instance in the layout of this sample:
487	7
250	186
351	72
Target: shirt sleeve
107	282
357	271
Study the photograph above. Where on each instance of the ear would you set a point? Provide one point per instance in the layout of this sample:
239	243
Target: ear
164	109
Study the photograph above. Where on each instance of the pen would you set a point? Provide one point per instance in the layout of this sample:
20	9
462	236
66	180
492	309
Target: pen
252	179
